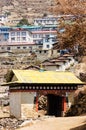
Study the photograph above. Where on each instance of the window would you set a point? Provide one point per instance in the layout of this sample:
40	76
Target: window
40	47
23	38
45	51
8	48
40	36
13	39
57	67
40	51
12	33
24	47
58	51
46	40
5	29
18	47
23	33
2	48
18	38
48	46
30	47
18	33
34	36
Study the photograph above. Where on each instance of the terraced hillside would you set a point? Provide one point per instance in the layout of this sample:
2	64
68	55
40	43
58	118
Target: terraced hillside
38	8
26	8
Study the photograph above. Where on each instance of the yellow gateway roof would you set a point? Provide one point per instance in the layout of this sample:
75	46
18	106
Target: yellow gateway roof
31	76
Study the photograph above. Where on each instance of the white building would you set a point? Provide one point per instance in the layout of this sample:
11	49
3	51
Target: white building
46	38
19	39
48	42
20	35
22	38
3	18
46	21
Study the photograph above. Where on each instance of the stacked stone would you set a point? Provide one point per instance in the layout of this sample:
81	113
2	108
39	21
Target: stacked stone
42	103
9	123
79	106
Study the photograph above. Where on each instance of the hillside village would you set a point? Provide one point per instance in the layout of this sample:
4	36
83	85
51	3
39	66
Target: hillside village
34	66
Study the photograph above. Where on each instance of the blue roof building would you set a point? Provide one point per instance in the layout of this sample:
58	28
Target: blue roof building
4	33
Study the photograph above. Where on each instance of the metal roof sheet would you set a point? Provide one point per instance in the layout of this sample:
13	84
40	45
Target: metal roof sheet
31	76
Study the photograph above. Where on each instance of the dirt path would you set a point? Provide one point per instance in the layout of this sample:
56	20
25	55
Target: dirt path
52	123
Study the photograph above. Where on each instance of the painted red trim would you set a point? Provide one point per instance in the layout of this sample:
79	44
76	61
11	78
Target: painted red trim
64	104
37	104
45	91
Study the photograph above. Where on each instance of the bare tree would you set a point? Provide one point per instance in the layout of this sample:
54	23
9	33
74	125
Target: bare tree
71	6
74	35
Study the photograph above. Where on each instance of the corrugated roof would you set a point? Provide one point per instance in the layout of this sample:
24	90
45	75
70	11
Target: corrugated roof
31	76
16	43
35	32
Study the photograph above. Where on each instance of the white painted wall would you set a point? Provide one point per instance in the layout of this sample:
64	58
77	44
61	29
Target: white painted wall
61	68
50	68
15	104
28	37
21	104
27	104
27	97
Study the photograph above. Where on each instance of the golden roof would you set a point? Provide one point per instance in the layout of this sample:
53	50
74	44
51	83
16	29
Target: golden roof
47	77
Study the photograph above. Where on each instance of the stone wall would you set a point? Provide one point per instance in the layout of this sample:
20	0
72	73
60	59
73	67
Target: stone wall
79	106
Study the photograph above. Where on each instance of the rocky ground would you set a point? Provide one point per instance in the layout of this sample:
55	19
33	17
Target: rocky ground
43	122
79	106
9	123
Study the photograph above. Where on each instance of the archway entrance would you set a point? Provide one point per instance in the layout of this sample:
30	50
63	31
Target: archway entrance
55	106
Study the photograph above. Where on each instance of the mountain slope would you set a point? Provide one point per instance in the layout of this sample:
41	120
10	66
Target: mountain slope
43	6
38	8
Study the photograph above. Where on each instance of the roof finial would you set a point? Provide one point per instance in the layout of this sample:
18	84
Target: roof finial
41	68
